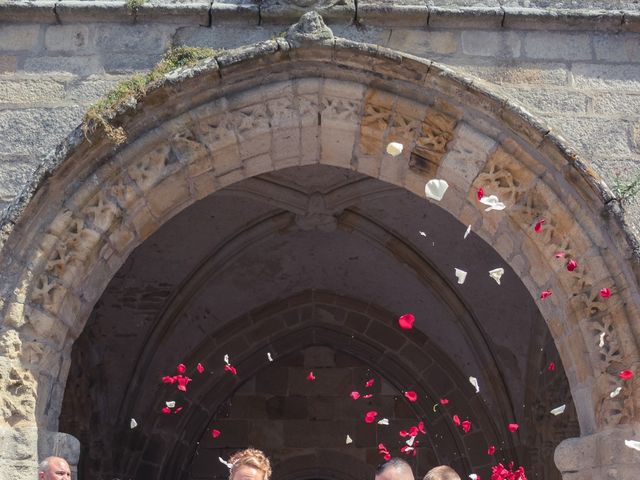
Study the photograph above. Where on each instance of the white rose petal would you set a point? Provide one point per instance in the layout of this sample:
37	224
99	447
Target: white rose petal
422	233
616	392
384	421
226	359
170	404
466	234
601	342
493	203
349	440
394	149
632	444
474	381
133	424
461	275
410	441
269	357
496	274
558	410
435	189
473	476
224	462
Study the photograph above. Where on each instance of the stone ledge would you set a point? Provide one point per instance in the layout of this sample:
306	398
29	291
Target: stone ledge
562	19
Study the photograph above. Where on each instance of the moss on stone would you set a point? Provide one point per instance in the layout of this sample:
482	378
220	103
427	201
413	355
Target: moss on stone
135	88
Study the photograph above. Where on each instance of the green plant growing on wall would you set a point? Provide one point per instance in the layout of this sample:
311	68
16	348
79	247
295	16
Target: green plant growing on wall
626	190
134	5
135	88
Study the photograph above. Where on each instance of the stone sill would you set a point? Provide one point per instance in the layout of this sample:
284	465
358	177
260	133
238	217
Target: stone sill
417	16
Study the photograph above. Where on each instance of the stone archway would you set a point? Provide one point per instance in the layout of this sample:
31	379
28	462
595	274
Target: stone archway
333	102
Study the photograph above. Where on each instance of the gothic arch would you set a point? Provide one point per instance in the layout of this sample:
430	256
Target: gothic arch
334	102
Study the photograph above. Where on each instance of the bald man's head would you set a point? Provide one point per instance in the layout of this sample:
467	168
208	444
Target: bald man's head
442	472
54	468
394	469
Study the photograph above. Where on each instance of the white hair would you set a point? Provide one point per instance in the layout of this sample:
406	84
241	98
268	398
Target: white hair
43	466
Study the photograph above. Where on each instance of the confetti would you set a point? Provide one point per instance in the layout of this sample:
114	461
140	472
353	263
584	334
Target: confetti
480	193
572	265
200	368
384	421
632	444
370	417
456	420
269	357
394	149
499	472
493	203
491	450
181	368
461	275
435	189
605	293
215	433
616	392
349	440
231	369
406	321
355	395
474	381
133	424
545	294
411	395
558	410
466	426
513	427
444	401
382	450
224	462
166	410
370	382
311	377
551	367
538	226
496	274
626	374
467	232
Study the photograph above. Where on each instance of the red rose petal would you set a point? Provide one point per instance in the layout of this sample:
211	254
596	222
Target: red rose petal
444	401
311	377
491	450
572	265
545	294
466	426
626	374
605	293
539	223
183	382
231	369
368	395
411	395
513	427
369	383
413	431
421	428
181	368
560	255
403	433
215	433
178	410
355	395
551	367
480	193
370	417
166	410
167	379
406	321
456	420
200	368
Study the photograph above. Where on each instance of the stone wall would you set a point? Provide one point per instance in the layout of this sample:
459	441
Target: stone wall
575	67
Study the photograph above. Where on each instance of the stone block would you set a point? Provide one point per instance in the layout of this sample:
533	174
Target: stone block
71	38
522	73
557	46
491	44
29	91
467	154
613	136
8	64
128	63
396	14
624	48
168	194
315	357
613	103
76	65
465	16
19	37
541	100
424	42
132	38
15	172
601	76
219	37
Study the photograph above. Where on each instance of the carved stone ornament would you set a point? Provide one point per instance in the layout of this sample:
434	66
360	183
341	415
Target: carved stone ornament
310	28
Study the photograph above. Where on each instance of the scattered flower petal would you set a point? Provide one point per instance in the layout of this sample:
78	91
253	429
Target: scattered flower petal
182	383
384	421
572	265
406	321
496	274
474	381
480	193
435	405
178	410
167	379
422	233
493	203
539	223
467	232
394	149
311	377
551	367
473	476
616	392
200	368
605	293
370	383
368	395
466	426
348	440
269	357
558	410
181	368
436	188
560	255
133	424
370	417
166	410
601	342
632	444
215	433
461	275
456	420
411	395
231	369
410	441
355	395
513	427
626	374
491	450
224	462
421	428
226	359
545	294
170	404
444	401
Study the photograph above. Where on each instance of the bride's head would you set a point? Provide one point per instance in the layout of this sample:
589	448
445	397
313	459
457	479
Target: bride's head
249	464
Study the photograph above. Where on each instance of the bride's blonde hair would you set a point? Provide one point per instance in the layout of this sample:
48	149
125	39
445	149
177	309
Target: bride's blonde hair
250	457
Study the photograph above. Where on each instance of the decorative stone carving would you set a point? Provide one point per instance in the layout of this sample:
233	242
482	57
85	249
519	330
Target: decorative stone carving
310	29
317	216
